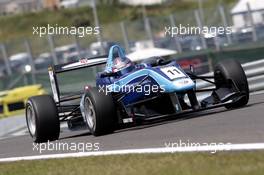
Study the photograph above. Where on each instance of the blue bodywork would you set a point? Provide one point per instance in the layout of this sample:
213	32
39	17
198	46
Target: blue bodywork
137	84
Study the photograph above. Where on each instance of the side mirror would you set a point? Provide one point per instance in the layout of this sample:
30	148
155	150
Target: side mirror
107	74
161	61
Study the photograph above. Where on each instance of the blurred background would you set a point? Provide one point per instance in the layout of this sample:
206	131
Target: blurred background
134	24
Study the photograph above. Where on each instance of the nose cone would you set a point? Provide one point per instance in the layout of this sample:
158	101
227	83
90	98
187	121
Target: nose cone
178	85
183	84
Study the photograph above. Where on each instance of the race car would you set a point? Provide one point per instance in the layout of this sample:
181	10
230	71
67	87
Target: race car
128	94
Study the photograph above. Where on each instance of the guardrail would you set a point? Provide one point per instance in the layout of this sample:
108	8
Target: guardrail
255	75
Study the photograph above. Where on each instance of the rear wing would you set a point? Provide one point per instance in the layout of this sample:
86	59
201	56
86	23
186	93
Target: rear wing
82	63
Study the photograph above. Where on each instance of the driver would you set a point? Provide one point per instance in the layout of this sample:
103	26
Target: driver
122	65
117	62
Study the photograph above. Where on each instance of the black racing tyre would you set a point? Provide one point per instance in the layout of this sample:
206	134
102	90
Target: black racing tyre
100	112
42	118
230	72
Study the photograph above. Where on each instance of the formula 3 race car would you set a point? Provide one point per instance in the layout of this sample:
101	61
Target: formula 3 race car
129	94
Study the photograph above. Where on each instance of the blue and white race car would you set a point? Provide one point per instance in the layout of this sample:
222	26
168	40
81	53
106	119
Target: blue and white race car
128	93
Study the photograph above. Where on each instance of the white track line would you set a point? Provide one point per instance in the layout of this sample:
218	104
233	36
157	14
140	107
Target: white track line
212	149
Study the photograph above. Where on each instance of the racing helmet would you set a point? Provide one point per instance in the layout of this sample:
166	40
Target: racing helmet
122	65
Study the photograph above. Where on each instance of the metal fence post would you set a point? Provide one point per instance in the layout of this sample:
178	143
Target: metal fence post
52	49
201	11
252	24
31	62
125	36
216	42
224	20
96	22
99	36
76	38
147	25
7	64
200	25
25	80
176	39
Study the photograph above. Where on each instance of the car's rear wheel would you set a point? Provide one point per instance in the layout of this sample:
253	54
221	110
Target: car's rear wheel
229	73
100	112
42	118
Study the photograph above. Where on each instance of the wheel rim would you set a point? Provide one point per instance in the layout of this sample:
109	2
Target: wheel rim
89	113
31	120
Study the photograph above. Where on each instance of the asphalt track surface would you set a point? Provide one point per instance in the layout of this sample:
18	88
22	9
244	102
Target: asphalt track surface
243	125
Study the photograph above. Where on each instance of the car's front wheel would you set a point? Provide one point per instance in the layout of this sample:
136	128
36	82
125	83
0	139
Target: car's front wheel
229	73
99	112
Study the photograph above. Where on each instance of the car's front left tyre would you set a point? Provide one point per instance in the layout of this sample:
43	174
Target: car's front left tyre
42	118
100	112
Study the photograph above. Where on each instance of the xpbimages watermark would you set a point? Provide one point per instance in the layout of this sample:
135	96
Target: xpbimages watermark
145	89
197	145
64	146
195	30
64	30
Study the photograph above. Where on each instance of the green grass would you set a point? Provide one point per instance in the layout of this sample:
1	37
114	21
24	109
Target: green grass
225	163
